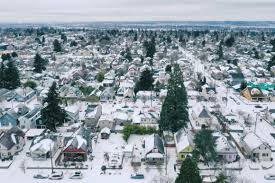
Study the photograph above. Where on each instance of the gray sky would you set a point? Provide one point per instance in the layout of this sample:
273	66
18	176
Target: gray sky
134	10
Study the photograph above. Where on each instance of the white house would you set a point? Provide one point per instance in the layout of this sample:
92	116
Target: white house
154	149
106	120
225	150
255	148
201	115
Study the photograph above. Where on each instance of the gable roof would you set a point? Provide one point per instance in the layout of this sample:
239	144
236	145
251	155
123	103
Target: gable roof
153	142
11	137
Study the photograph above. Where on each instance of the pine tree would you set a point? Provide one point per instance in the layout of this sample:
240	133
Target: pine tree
271	63
243	85
205	145
2	75
11	76
174	112
57	46
145	82
221	179
150	47
39	63
220	52
128	55
52	114
189	172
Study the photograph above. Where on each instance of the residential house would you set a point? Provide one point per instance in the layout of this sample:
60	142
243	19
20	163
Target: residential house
11	142
255	148
31	120
201	115
154	149
209	93
75	149
105	133
107	95
24	94
106	120
45	146
93	113
225	150
253	94
184	144
9	118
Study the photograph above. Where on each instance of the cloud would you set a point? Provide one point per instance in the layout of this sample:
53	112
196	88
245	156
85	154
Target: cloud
134	10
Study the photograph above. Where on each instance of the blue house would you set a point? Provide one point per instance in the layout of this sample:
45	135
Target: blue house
9	118
24	94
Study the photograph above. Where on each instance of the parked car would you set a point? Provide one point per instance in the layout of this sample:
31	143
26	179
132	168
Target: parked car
269	176
137	176
41	176
76	175
56	176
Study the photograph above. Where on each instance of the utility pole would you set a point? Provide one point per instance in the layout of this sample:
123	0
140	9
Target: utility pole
256	122
51	157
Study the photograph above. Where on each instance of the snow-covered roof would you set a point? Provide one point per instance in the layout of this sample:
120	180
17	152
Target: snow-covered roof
252	141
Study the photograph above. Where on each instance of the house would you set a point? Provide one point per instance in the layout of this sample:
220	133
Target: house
107	95
154	149
132	70
225	150
75	149
201	115
145	95
72	113
11	142
105	133
255	148
184	144
93	113
24	94
209	93
270	115
9	118
120	118
253	94
31	120
106	120
44	146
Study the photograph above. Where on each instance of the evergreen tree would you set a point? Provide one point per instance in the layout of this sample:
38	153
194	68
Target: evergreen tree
14	54
203	43
271	63
2	75
272	42
11	76
100	76
64	37
205	145
168	68
189	172
128	55
174	112
221	179
52	114
145	82
243	85
6	56
150	47
229	42
57	46
39	63
220	52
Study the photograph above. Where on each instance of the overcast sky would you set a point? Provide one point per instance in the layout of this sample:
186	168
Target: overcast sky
134	10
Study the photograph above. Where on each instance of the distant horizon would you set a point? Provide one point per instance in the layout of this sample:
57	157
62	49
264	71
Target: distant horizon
70	11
